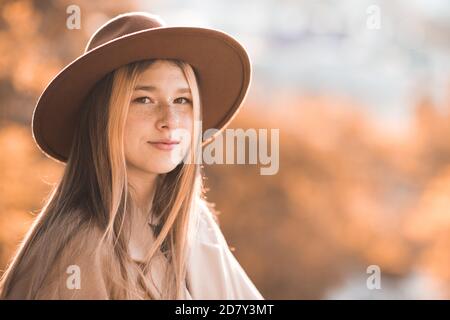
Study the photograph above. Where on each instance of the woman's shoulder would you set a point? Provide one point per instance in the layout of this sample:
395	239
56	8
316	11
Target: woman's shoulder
57	262
208	229
76	271
214	272
82	243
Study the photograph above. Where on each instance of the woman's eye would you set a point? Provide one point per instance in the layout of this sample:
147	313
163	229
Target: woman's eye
186	99
144	100
147	100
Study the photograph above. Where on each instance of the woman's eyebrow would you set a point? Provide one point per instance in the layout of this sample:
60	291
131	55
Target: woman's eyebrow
147	88
153	88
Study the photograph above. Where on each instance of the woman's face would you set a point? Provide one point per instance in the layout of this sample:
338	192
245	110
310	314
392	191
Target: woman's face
160	109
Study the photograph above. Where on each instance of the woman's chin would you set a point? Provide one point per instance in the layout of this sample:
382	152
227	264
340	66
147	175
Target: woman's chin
161	168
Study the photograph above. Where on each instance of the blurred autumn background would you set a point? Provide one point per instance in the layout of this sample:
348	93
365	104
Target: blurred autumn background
364	119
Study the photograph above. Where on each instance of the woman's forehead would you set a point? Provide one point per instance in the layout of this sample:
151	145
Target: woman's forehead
162	74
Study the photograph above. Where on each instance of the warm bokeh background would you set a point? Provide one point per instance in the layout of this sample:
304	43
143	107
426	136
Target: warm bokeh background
364	119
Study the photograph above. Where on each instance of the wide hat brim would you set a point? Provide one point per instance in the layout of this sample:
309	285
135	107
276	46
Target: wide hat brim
221	64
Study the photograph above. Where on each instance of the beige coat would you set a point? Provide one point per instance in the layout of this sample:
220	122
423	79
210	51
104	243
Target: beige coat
213	271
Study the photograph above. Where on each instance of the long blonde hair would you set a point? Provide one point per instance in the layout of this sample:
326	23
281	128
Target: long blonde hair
94	191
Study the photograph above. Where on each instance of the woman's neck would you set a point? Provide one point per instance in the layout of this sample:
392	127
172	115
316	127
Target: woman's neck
141	236
143	185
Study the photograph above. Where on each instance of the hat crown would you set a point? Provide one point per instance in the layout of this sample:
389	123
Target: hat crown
122	25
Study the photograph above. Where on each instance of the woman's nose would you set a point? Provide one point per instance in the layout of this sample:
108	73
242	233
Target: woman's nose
167	118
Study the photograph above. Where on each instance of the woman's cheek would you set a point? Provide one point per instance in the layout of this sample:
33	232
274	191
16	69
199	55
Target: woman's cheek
134	130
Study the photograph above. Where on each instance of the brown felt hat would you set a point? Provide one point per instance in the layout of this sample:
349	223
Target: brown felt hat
221	64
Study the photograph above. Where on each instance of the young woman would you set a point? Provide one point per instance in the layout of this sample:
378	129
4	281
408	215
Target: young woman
127	219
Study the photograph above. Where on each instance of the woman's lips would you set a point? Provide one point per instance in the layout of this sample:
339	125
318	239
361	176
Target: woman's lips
164	146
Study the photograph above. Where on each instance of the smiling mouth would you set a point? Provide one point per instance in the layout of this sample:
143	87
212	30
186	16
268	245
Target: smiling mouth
164	145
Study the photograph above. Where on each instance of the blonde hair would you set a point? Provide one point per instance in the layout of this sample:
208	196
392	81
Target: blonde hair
94	193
